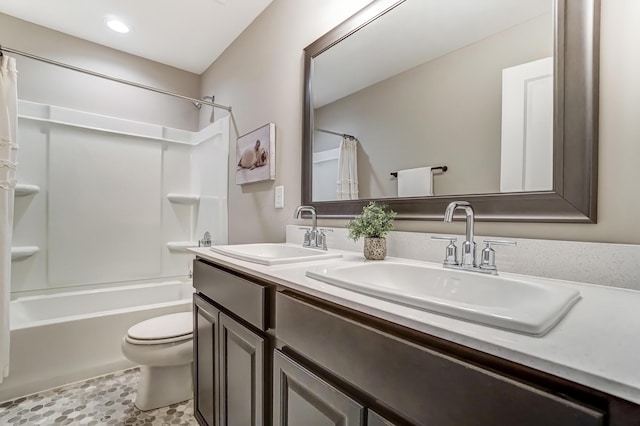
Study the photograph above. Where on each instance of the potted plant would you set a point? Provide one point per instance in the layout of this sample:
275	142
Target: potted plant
373	224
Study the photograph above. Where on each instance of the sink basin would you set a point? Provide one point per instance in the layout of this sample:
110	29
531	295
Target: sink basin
530	307
274	254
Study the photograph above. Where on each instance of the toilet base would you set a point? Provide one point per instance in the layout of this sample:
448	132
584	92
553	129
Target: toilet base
162	386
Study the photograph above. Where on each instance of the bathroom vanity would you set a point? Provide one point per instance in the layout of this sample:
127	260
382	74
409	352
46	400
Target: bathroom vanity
271	350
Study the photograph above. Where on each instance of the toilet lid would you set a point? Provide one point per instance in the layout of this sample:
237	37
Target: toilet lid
172	327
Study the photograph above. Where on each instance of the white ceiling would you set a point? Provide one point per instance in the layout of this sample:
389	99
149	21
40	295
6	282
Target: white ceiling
187	35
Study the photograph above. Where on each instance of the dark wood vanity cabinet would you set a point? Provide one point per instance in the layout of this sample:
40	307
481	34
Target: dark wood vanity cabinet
230	354
423	386
242	374
300	397
375	419
229	369
205	357
286	358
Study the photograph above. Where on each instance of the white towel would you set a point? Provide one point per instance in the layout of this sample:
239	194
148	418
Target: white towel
415	182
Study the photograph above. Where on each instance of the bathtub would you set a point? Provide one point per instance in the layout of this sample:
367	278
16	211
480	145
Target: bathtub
66	337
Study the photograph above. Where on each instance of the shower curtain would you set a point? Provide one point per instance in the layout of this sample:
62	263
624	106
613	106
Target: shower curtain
348	169
8	154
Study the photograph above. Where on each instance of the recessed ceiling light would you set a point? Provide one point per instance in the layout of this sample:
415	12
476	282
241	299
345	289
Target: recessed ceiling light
117	25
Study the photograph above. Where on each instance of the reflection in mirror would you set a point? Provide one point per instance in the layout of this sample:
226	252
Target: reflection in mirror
483	110
455	83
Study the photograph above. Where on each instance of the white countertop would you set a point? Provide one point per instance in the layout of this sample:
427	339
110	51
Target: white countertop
597	344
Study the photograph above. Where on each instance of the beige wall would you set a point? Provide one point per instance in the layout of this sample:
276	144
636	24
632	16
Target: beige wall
444	112
260	75
44	83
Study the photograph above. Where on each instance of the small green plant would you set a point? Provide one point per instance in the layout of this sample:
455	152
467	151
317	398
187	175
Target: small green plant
374	222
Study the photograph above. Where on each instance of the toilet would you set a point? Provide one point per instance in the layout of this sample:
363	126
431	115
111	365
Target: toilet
163	346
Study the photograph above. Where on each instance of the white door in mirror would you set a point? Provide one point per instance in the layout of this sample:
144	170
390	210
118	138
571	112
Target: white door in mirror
527	127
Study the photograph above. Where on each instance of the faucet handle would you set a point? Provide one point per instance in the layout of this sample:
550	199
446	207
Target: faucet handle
322	238
451	256
445	238
489	243
488	256
307	237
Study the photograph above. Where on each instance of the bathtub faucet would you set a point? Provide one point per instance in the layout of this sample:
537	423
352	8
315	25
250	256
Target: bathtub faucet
205	241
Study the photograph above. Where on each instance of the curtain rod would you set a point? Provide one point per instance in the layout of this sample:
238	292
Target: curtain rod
344	135
107	77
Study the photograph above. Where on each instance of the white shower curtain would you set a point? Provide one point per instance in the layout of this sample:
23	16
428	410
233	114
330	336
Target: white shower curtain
348	169
8	154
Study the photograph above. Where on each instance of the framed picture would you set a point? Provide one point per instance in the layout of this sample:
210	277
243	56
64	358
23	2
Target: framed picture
256	155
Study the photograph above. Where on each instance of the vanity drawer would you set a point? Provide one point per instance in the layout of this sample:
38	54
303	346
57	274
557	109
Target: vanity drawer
240	296
422	385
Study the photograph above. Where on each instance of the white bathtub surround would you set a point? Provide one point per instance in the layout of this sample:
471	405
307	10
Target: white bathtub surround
8	164
604	264
66	337
107	208
20	253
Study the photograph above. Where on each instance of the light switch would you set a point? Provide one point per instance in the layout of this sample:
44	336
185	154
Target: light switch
279	197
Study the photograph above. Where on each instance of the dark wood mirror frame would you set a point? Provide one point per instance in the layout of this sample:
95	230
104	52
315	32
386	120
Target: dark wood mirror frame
575	130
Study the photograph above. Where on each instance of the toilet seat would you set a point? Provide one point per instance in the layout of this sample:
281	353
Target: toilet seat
176	339
161	330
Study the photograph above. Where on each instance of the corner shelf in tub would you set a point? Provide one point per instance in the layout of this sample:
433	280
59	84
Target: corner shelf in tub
23	252
23	190
183	198
181	245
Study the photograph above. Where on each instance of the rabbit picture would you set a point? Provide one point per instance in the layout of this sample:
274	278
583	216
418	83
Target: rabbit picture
253	157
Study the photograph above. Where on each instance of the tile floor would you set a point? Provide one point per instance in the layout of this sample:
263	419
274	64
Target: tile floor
106	400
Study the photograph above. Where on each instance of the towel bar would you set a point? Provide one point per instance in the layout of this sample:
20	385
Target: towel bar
443	168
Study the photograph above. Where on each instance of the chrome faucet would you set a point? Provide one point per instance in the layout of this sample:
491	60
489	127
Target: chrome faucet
313	238
468	261
469	246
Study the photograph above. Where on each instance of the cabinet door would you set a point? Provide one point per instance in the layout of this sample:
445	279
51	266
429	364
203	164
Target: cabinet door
205	348
241	375
375	419
302	398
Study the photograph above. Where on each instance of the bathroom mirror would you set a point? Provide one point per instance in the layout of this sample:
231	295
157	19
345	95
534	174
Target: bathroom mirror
430	83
